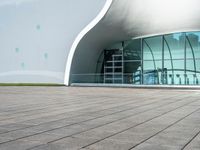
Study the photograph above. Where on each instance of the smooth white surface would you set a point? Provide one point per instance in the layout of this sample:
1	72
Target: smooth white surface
36	36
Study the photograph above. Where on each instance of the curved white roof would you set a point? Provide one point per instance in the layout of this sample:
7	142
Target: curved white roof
126	19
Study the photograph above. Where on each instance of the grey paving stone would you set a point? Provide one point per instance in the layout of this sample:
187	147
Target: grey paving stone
194	144
71	143
62	118
14	126
3	130
19	145
109	145
152	146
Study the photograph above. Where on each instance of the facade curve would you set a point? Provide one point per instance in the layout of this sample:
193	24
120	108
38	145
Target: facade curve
131	19
80	36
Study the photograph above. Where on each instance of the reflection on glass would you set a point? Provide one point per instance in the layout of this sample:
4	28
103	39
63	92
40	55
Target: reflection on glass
152	48
172	59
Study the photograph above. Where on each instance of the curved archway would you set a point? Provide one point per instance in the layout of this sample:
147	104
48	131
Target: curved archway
127	19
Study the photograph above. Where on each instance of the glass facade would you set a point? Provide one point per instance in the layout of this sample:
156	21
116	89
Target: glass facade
172	59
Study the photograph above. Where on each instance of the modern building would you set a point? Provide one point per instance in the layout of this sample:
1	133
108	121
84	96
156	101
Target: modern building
129	42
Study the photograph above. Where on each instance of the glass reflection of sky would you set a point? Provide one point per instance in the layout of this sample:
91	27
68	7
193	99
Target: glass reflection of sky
177	35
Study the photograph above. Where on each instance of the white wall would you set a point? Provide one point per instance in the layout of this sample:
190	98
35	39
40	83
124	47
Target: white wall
36	36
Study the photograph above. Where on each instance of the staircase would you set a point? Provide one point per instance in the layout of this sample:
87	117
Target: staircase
113	68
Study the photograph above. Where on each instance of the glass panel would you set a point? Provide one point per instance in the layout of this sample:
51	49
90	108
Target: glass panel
179	78
176	44
132	50
189	51
151	77
127	67
153	48
190	65
194	39
152	72
198	65
169	72
152	65
192	55
87	78
115	46
190	72
197	79
132	72
178	64
167	51
190	78
147	52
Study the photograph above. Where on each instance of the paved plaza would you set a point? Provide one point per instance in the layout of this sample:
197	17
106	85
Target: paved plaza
72	118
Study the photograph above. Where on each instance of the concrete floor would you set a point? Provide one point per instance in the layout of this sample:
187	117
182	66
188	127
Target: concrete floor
62	118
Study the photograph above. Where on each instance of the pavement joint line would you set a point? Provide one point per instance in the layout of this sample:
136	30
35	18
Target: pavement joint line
47	112
72	111
82	115
190	140
95	98
116	121
88	120
137	124
75	102
44	113
95	103
17	105
78	116
67	104
58	103
164	129
45	105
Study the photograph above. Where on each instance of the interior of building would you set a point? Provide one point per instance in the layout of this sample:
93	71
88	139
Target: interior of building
171	59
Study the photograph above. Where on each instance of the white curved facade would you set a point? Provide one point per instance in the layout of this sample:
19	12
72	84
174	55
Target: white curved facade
47	41
129	19
36	37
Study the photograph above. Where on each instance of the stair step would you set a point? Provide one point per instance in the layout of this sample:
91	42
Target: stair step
113	78
113	69
116	55
116	61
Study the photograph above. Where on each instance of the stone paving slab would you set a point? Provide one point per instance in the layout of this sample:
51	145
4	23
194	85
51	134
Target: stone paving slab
88	118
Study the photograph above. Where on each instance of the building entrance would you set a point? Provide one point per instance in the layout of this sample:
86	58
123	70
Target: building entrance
159	60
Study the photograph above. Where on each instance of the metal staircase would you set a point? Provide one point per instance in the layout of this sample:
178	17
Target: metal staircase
113	68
